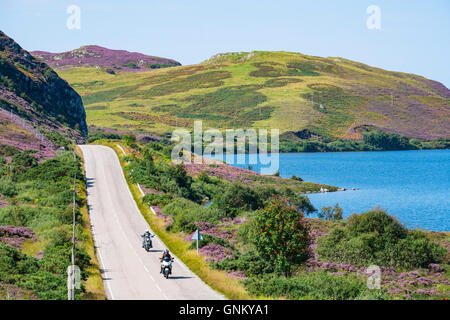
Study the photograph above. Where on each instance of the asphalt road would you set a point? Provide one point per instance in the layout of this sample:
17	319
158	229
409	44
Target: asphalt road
128	271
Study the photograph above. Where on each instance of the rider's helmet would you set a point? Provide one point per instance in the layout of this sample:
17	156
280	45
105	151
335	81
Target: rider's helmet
166	251
147	231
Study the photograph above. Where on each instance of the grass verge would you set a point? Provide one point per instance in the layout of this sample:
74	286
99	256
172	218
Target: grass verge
94	282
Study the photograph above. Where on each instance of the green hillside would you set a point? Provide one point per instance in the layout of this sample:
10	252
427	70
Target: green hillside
331	97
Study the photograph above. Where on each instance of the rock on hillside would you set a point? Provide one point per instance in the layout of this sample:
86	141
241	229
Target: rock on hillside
111	61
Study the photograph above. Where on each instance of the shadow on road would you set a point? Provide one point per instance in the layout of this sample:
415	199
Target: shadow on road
180	277
89	182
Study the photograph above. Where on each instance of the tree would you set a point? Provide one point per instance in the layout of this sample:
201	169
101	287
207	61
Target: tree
329	213
280	234
237	197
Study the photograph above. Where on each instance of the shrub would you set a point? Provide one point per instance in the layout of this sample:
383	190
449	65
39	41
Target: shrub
280	234
58	139
416	250
375	237
185	221
331	213
249	262
154	199
315	285
386	141
237	197
23	161
7	187
185	213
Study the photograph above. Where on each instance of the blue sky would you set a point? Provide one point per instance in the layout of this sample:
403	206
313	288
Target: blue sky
414	35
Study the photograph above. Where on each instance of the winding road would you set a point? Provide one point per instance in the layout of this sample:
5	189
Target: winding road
128	271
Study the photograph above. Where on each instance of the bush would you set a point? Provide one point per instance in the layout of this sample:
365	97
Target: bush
186	220
376	238
21	162
315	285
154	199
237	197
280	234
386	141
60	140
416	250
7	187
329	213
249	262
185	213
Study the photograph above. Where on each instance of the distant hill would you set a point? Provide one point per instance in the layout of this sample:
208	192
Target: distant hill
303	96
38	109
112	61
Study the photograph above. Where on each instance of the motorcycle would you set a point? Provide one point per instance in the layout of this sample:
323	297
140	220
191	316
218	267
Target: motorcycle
166	265
148	243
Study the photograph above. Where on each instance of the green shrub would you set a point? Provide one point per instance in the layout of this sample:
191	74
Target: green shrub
416	250
60	140
237	197
154	199
185	213
386	141
23	161
249	262
7	186
313	285
243	235
186	220
331	213
376	238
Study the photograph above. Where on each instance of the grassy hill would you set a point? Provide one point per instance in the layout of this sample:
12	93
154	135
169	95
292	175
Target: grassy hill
329	97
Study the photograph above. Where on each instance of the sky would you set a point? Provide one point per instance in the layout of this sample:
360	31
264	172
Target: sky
413	35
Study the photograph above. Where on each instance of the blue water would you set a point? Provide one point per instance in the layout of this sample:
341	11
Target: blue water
412	185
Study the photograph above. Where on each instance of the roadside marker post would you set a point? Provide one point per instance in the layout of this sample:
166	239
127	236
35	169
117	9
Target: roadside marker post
197	236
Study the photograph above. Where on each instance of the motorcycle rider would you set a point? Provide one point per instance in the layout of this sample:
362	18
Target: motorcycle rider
146	235
165	254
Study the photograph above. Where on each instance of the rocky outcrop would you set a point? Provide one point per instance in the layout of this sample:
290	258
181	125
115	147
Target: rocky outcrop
36	83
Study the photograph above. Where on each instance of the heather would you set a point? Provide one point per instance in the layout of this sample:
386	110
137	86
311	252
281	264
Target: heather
40	216
110	61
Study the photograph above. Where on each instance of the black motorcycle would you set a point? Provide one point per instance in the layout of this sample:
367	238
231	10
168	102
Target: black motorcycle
148	242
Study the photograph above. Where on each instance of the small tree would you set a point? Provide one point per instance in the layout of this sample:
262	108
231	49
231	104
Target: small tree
280	234
329	213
